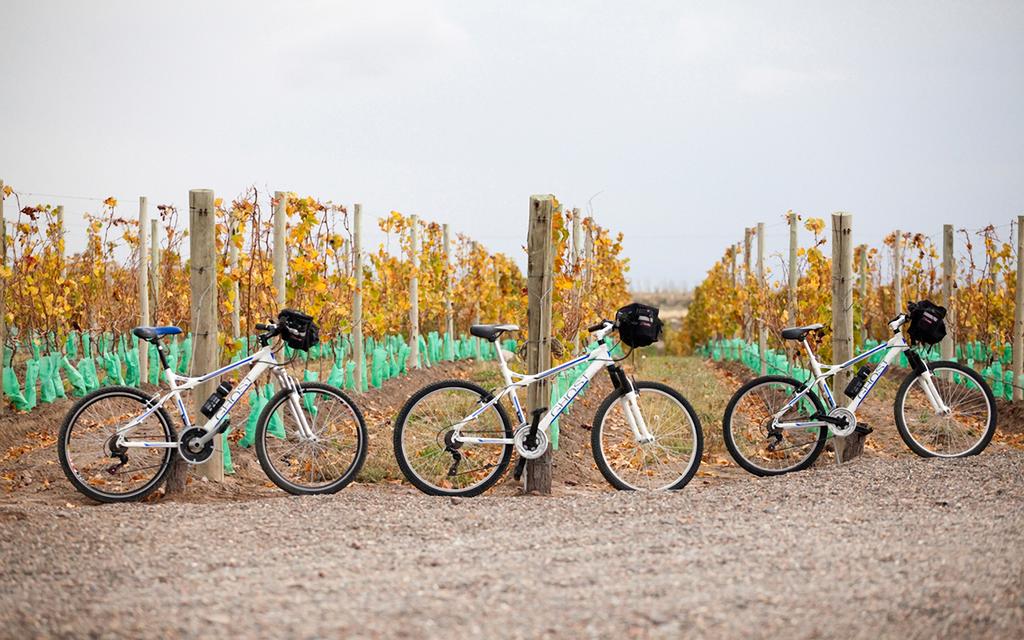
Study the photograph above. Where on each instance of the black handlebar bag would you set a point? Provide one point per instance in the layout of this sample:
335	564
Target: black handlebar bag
297	329
639	325
927	324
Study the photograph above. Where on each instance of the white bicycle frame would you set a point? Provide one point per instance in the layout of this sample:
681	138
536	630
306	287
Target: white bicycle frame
599	358
260	362
894	347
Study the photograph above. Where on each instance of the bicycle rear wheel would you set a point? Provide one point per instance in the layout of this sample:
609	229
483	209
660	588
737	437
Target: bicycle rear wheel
761	448
324	463
965	431
428	457
668	461
93	461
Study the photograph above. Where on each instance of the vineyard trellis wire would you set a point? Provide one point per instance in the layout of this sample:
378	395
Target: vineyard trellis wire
904	266
69	317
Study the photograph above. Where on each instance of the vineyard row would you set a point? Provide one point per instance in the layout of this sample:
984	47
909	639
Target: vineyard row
741	298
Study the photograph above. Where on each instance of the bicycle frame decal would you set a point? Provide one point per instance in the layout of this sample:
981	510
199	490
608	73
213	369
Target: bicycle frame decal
259	361
822	373
599	358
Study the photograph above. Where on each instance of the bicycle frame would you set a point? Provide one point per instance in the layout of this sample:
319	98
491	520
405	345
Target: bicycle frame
893	347
599	358
260	362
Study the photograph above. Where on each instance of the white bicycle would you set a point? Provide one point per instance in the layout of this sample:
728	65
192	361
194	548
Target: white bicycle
776	424
455	438
117	443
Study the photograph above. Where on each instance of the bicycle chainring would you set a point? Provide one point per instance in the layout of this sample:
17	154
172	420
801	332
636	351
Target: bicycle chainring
843	414
191	450
522	433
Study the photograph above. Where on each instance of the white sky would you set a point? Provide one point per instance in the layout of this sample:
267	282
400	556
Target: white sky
691	119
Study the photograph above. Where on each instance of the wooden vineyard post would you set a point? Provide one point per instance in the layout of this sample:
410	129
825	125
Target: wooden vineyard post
748	329
793	270
948	278
1018	314
476	313
414	295
897	272
449	317
3	284
577	262
862	288
143	282
842	321
280	251
588	255
236	311
357	295
762	284
203	252
540	262
63	248
154	266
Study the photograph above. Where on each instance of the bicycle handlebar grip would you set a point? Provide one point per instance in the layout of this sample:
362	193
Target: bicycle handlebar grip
265	327
597	327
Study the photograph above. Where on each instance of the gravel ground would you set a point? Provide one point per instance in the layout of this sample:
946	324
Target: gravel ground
904	548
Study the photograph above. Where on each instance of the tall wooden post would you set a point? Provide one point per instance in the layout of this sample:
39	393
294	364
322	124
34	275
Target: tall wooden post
948	278
476	312
357	296
540	263
449	316
62	248
1018	313
280	250
202	224
842	320
588	254
897	272
143	282
236	304
762	284
3	282
154	266
793	270
414	295
577	236
862	286
748	329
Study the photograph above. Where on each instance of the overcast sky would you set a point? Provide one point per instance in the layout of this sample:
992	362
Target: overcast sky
690	120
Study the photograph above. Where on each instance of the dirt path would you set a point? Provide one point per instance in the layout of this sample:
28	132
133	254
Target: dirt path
904	548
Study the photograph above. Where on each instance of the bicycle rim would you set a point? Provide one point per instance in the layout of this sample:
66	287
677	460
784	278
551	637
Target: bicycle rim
763	448
664	463
98	464
321	464
963	430
445	467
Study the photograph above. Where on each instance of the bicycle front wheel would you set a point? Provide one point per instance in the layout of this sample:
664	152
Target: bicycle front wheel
428	456
965	430
93	460
666	461
327	457
752	438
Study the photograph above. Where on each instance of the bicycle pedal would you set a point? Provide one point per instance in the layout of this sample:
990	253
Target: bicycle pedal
520	465
863	429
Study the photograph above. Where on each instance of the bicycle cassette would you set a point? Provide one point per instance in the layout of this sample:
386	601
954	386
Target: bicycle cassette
520	441
843	414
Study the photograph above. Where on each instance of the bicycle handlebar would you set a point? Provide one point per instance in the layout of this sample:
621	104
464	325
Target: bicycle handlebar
599	326
266	327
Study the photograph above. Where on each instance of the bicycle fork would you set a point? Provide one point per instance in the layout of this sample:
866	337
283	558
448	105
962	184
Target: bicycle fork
295	404
634	417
